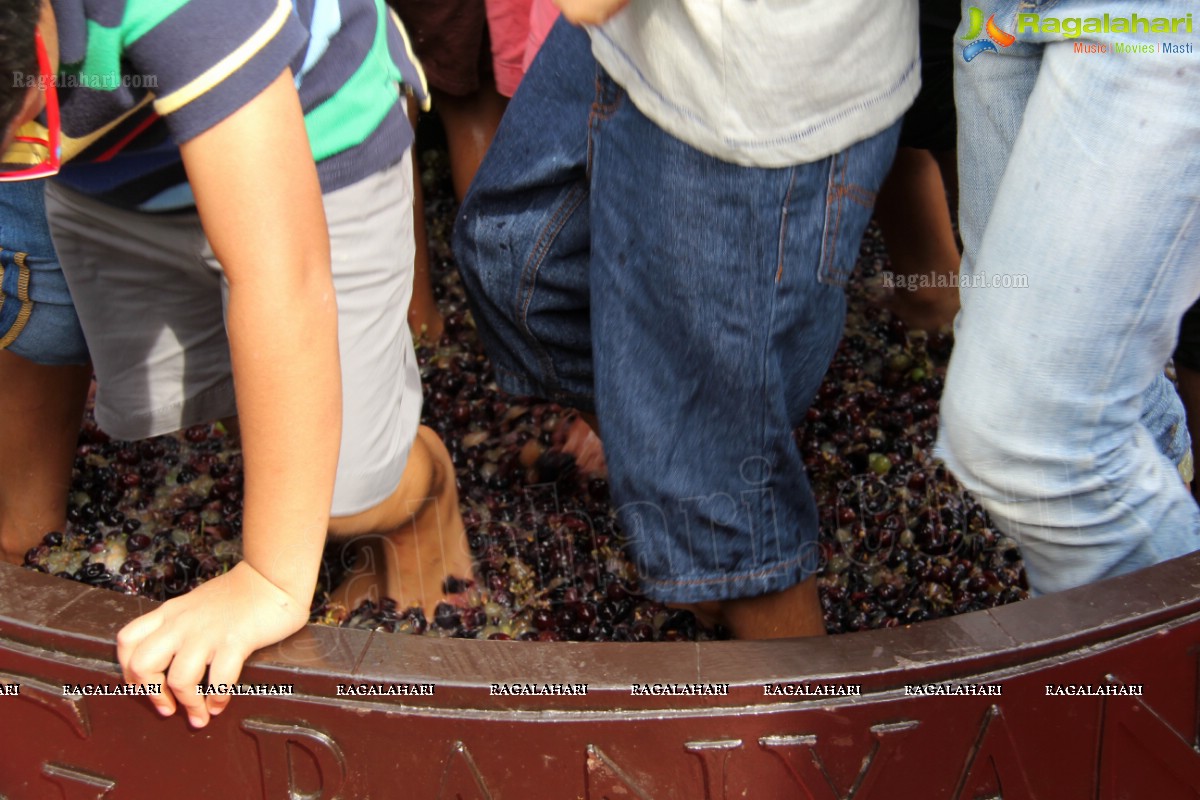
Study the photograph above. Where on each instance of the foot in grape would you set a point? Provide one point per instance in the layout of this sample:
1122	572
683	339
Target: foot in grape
413	546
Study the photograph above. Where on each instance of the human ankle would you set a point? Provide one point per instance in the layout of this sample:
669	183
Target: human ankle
16	541
792	612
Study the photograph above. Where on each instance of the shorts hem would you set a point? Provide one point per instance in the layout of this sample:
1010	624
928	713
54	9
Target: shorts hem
210	405
730	586
520	385
508	78
47	360
356	492
370	489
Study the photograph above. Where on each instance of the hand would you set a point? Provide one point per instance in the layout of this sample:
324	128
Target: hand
217	625
589	12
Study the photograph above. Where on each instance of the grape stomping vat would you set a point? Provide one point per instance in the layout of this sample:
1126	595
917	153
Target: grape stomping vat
1098	697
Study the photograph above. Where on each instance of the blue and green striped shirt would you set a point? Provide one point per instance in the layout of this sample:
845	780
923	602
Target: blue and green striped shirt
138	78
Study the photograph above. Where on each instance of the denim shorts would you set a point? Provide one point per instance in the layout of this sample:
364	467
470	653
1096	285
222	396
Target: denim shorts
37	317
692	303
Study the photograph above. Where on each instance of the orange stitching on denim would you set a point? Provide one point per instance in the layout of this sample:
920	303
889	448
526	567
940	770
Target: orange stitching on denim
601	111
606	108
859	194
838	194
587	167
835	194
841	206
23	297
787	201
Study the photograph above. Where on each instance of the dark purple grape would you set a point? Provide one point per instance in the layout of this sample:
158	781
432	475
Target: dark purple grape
94	574
542	619
641	632
473	617
615	591
446	616
453	585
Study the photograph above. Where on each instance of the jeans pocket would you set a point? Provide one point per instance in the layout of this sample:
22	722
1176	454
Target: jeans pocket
854	178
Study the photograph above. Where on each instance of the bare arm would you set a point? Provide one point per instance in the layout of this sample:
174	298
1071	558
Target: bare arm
589	12
259	200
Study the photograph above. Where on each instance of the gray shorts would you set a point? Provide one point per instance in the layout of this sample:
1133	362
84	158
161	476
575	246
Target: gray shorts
151	298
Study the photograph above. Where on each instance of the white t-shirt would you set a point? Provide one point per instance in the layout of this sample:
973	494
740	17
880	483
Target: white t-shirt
765	83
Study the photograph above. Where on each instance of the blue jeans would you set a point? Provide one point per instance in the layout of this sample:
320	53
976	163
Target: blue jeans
1079	175
693	303
37	317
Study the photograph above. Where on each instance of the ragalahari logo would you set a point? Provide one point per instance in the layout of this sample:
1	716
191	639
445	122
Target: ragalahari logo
995	36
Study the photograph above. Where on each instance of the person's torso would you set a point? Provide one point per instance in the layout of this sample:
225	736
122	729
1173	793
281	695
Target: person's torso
139	77
765	83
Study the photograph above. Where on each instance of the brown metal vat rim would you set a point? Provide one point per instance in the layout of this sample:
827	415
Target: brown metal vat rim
42	613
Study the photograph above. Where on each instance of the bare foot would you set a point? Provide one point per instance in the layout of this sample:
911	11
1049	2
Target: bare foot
364	579
575	450
367	579
421	557
577	437
12	557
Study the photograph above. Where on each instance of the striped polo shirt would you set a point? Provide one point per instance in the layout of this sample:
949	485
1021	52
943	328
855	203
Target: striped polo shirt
137	78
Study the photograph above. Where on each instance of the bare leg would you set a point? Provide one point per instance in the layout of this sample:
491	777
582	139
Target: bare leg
424	318
790	613
1189	393
914	215
779	615
40	410
471	124
947	161
414	540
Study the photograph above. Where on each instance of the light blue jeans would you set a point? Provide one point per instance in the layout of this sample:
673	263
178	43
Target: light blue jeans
1080	181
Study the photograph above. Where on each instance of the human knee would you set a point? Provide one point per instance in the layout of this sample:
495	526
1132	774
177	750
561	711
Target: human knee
424	480
997	445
